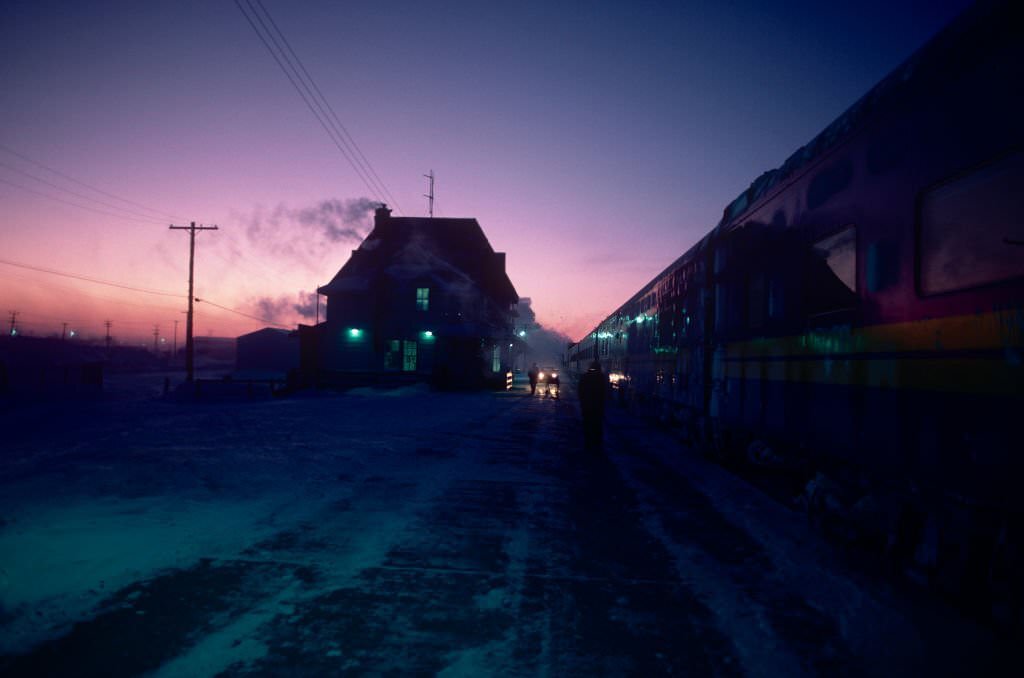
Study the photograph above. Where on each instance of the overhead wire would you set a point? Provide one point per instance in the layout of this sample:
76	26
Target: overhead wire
75	204
240	260
89	186
306	94
237	312
160	309
339	125
68	289
96	281
303	95
135	215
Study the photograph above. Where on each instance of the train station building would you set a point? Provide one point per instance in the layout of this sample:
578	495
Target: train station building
420	299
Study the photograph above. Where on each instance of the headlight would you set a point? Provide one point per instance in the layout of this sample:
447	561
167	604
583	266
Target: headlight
554	376
540	376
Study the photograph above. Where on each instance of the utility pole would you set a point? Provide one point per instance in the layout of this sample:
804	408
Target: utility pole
430	195
189	346
156	339
108	324
174	351
63	331
14	323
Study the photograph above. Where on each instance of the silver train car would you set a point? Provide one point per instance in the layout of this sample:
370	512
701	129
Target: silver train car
854	324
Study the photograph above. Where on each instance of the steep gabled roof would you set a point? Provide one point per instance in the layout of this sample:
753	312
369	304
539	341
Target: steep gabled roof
406	248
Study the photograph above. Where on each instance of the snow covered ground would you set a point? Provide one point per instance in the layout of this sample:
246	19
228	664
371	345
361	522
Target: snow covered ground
409	532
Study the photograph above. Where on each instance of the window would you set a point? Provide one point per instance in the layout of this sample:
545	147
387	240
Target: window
393	357
971	229
831	276
422	298
881	265
496	359
839	252
408	356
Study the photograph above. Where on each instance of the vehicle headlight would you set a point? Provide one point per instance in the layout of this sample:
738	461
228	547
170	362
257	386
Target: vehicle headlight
540	376
554	375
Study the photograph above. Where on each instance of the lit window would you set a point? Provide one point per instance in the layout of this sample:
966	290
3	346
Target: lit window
409	356
393	357
422	298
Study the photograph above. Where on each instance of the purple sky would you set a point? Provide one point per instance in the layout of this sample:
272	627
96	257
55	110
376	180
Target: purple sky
594	142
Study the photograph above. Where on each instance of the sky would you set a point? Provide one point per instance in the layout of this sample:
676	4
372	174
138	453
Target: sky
594	142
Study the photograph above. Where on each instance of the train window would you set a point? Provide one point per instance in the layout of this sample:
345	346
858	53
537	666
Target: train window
830	283
839	252
971	229
881	265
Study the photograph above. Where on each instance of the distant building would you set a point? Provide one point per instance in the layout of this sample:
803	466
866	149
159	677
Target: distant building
269	352
419	299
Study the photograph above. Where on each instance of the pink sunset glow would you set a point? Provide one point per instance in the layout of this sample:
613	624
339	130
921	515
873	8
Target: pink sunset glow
593	145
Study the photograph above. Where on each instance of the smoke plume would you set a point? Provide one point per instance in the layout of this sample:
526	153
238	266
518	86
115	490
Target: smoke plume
285	309
306	307
306	235
337	220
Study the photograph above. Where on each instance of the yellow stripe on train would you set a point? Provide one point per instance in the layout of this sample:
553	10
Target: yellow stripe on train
983	331
864	356
962	375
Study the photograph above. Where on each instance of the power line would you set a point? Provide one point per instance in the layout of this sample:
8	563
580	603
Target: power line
77	292
138	215
86	278
128	287
320	118
251	266
75	204
39	319
82	183
306	94
334	115
246	315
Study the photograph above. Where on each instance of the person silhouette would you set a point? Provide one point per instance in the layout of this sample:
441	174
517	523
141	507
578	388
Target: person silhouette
533	374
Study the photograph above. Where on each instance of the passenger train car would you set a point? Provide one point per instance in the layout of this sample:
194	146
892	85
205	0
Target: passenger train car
859	313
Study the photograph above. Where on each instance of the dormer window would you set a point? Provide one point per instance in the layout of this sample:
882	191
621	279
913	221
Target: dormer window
422	298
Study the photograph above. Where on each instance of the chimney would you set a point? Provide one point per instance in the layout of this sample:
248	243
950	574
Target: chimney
382	213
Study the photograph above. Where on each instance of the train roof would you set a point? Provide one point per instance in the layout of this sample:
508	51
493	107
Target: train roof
947	52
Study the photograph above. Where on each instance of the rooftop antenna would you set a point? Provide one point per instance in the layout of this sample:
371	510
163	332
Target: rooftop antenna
430	195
